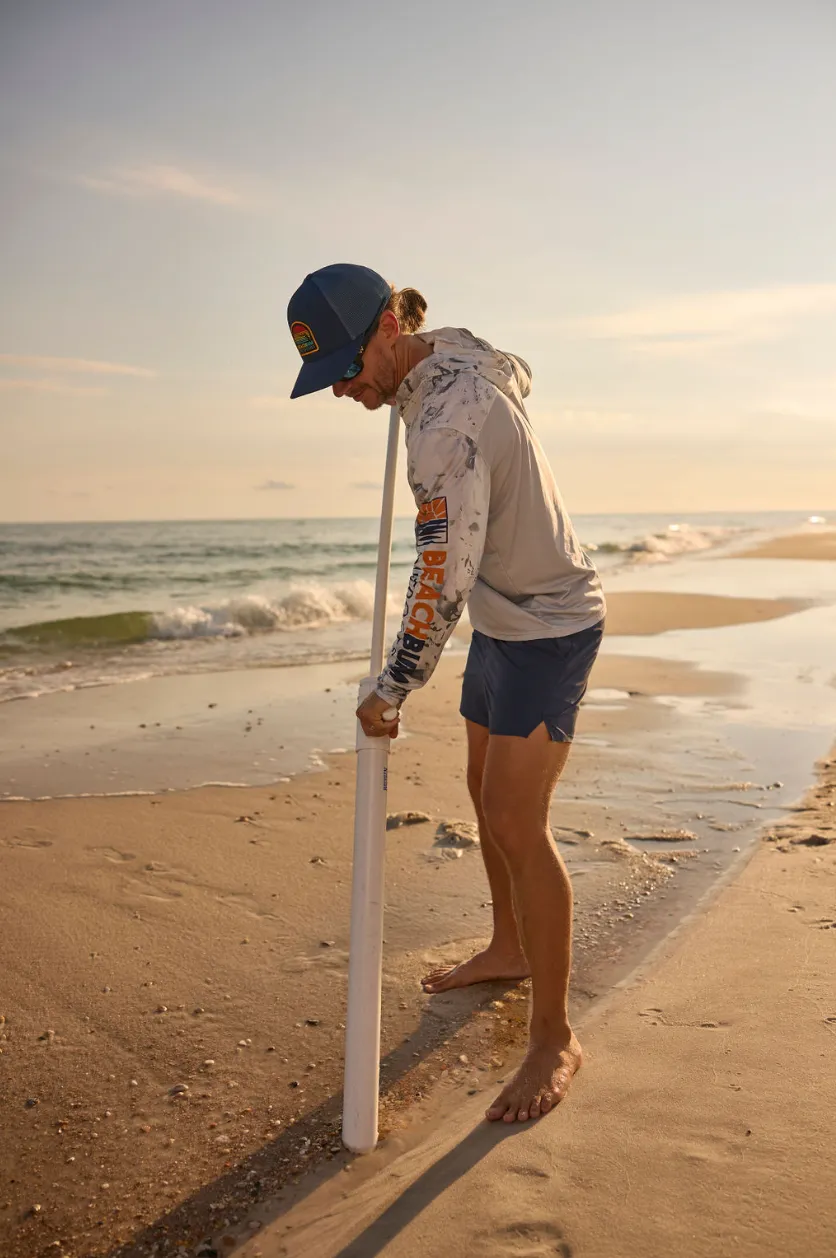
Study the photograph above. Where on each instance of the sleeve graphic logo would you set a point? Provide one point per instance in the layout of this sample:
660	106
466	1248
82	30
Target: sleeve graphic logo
425	589
431	524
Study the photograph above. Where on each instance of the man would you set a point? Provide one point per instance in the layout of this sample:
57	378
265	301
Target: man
491	533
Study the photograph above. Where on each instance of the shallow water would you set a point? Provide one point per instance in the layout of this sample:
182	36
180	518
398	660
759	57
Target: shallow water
90	604
785	717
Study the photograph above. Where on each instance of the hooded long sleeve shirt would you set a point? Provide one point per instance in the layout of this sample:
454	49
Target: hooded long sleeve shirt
492	531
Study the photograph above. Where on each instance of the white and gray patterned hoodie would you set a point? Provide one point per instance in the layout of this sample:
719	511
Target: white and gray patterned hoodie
491	530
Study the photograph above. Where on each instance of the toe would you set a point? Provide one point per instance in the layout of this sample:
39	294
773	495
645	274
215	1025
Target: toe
546	1103
497	1110
534	1108
432	977
522	1115
439	984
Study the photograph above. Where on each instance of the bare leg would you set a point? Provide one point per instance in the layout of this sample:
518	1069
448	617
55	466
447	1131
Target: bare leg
519	778
504	957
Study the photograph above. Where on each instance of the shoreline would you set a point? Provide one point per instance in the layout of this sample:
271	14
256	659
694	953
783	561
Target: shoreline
721	1153
163	915
196	926
184	731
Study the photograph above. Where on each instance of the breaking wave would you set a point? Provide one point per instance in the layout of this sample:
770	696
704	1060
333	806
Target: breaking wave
677	539
302	606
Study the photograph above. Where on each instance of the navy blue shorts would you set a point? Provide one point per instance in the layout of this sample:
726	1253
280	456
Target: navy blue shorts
512	687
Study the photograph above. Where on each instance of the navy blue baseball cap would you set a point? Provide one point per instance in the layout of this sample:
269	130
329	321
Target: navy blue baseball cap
329	316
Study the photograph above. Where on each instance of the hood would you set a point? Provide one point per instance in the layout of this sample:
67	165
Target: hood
458	352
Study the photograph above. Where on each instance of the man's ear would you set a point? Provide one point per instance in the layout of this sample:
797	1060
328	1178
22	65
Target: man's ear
389	326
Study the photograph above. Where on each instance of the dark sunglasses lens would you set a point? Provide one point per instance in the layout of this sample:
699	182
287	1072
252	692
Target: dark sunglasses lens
353	370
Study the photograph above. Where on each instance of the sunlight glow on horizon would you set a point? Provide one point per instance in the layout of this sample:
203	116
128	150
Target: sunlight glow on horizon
647	223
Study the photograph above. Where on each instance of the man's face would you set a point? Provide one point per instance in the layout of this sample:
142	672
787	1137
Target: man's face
377	382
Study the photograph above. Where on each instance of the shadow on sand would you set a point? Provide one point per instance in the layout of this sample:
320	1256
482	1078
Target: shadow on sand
259	1177
434	1181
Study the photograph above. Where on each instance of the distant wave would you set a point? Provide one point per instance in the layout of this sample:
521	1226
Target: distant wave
678	539
104	581
303	606
309	604
82	567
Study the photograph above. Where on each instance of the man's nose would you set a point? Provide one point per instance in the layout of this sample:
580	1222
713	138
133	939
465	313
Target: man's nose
339	388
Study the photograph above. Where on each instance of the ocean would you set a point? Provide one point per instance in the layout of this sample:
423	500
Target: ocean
87	604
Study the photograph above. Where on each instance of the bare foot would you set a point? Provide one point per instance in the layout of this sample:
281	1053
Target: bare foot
485	966
541	1082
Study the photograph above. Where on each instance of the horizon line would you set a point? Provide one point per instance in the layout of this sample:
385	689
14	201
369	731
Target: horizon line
271	519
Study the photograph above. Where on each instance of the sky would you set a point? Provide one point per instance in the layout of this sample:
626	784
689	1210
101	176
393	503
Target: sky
639	199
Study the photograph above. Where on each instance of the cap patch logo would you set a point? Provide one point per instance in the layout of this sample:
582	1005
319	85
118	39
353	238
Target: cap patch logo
304	338
431	523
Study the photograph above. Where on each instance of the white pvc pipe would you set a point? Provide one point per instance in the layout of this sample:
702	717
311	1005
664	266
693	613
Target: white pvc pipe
365	962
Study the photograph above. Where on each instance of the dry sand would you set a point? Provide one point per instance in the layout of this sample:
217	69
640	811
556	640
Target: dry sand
174	967
798	546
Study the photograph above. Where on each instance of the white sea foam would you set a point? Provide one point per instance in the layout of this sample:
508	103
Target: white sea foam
679	539
307	606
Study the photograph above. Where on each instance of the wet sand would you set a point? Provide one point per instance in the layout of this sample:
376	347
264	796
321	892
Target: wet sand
640	612
818	545
701	1125
173	993
258	725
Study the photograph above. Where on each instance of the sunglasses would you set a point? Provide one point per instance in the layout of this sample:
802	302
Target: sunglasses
355	367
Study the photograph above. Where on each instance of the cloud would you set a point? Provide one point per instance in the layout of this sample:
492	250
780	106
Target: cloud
814	397
275	484
82	366
8	385
698	323
159	180
366	484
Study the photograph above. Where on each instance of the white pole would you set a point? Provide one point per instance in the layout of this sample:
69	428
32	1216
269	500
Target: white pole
365	962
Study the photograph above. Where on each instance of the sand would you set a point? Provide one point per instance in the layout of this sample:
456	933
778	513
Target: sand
695	1128
174	965
703	1123
639	612
818	545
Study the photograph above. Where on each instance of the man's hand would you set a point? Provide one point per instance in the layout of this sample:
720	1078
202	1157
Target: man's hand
370	716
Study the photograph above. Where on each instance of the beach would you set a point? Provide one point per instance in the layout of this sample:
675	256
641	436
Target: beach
174	989
701	1124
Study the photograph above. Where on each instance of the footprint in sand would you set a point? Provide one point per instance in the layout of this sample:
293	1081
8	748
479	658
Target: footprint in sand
703	1151
114	855
530	1172
159	894
328	959
27	839
246	904
541	1239
158	870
